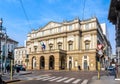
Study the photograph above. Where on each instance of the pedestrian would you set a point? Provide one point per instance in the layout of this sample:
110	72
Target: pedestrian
78	67
8	68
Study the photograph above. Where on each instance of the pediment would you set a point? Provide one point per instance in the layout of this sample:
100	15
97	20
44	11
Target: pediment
51	25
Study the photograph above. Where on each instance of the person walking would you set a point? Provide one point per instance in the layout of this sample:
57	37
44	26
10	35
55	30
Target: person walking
8	68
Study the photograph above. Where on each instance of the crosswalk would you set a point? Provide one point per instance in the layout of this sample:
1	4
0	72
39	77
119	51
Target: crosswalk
65	80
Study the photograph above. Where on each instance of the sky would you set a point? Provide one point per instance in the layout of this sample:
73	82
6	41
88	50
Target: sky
21	16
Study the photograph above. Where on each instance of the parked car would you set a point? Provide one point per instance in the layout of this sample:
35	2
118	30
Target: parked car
111	71
21	67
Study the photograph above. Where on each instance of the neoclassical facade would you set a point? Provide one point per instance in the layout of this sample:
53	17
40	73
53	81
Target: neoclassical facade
67	45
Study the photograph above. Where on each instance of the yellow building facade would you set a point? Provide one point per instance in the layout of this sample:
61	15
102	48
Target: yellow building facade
67	45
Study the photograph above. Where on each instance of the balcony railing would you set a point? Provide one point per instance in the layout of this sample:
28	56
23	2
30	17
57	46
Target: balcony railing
62	51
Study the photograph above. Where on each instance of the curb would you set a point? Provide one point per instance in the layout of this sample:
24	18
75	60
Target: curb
10	81
25	73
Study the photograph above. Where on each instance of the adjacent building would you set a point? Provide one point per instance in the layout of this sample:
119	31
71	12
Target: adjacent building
20	55
114	17
66	45
7	45
107	46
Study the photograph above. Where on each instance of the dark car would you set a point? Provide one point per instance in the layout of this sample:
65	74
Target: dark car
111	71
21	68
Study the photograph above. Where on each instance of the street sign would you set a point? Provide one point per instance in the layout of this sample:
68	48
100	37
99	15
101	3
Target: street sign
100	46
100	52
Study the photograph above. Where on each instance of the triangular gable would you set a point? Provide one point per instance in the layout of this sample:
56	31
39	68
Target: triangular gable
51	25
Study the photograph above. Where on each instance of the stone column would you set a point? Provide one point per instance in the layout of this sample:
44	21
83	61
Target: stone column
74	44
65	43
47	62
55	43
37	62
57	62
30	63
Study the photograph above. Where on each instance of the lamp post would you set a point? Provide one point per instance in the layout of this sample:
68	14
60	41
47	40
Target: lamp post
1	35
118	49
1	38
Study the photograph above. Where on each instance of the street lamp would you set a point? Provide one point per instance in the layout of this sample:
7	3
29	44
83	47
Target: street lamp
1	38
1	35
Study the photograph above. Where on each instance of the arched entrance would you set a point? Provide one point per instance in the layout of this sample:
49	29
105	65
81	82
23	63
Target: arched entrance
62	62
42	62
51	62
33	63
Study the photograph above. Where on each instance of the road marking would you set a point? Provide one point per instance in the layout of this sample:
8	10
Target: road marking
42	78
62	79
67	81
29	78
48	78
85	81
55	79
76	81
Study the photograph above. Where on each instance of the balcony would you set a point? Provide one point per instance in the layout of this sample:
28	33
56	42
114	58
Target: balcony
49	51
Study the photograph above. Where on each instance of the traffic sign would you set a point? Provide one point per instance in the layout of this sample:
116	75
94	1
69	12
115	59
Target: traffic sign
100	46
100	52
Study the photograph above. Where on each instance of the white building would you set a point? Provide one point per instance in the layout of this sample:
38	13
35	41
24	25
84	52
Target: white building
20	55
7	45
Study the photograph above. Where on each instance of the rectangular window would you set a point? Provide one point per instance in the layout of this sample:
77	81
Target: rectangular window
51	47
70	27
30	50
86	26
59	46
43	33
27	56
70	47
87	46
50	31
59	29
35	49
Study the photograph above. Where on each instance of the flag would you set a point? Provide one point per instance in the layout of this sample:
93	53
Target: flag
42	45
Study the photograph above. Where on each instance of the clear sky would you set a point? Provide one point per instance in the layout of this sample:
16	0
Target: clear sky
40	12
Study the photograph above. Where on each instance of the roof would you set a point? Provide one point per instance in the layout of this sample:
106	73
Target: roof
9	39
19	47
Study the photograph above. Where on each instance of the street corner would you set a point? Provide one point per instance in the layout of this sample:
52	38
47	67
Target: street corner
104	82
10	81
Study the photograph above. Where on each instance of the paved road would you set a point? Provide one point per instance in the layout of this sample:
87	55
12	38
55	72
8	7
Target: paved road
57	77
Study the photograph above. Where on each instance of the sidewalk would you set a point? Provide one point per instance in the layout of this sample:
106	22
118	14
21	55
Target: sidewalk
6	76
104	80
